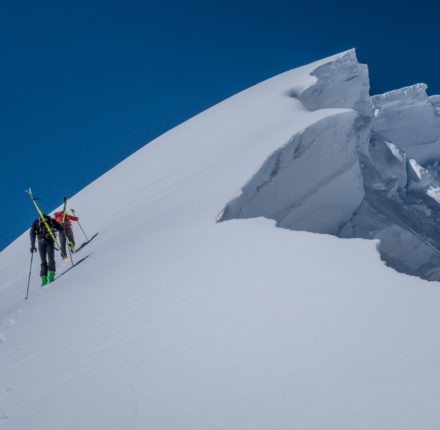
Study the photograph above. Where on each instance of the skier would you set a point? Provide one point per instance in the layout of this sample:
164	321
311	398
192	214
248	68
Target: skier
45	245
67	229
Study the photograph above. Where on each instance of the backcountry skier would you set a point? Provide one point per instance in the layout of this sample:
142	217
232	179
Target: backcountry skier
67	229
46	245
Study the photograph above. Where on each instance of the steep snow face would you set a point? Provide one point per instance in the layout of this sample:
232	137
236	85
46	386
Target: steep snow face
312	183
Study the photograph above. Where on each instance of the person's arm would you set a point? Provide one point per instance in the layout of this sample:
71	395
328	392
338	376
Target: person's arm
72	218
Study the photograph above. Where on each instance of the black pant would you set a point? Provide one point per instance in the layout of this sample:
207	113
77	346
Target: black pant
69	234
47	252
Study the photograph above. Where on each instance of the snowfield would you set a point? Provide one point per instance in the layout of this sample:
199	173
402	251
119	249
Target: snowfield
178	321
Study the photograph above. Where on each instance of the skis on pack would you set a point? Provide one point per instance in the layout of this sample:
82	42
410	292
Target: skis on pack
57	246
64	209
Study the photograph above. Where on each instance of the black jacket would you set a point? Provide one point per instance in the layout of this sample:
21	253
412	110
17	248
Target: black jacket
39	229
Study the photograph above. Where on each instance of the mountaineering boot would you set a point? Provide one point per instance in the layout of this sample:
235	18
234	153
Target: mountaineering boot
64	257
71	245
51	275
43	280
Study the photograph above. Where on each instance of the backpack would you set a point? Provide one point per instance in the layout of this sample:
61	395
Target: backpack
42	229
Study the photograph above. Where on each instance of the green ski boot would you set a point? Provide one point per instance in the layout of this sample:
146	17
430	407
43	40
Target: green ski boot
43	280
51	276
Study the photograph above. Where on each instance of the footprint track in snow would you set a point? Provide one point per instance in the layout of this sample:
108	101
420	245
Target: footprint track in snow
4	416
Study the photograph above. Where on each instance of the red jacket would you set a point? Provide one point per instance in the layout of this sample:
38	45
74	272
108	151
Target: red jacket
59	218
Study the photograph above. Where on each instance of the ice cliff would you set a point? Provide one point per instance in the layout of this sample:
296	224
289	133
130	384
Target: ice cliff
371	171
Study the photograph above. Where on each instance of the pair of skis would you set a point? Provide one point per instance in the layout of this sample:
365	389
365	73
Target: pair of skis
29	191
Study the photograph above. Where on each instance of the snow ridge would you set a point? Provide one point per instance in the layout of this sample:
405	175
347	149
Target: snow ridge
411	94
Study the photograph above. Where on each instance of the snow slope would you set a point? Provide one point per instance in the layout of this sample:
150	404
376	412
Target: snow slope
177	321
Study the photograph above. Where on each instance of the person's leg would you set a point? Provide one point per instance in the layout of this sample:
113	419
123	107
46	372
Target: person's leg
63	245
69	233
51	256
42	244
42	251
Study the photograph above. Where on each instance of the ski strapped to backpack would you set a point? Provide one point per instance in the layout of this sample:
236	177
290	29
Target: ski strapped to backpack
29	191
64	210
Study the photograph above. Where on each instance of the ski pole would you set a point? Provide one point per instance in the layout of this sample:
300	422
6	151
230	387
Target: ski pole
80	226
29	279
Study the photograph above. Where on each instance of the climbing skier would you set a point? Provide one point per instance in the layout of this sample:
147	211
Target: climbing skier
40	227
64	219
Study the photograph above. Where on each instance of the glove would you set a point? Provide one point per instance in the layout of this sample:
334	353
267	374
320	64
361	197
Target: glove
33	249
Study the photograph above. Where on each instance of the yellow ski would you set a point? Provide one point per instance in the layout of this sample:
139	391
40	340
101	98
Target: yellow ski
29	191
64	211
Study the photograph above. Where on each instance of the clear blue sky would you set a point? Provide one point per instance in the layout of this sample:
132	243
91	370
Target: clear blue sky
86	83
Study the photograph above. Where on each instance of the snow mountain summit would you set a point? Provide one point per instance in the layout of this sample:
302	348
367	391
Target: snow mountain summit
192	310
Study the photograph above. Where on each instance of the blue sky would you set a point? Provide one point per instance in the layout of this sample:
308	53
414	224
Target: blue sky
86	83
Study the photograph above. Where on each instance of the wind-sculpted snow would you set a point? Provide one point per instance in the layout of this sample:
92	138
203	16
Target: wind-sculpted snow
401	208
400	171
435	101
398	210
341	83
313	183
411	120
